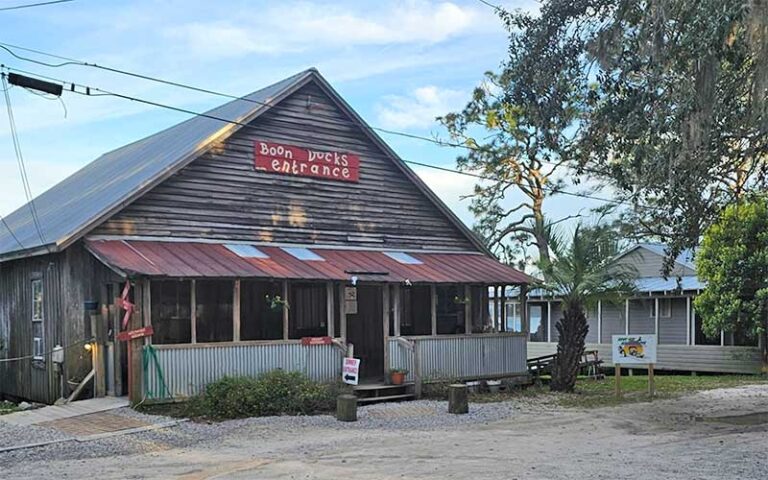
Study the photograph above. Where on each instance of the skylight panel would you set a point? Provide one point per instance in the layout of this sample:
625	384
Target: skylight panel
303	254
403	258
246	251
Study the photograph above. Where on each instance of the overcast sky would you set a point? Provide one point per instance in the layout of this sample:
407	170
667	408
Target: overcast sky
398	63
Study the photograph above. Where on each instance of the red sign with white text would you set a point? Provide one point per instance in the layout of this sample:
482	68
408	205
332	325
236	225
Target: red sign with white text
304	162
134	334
308	341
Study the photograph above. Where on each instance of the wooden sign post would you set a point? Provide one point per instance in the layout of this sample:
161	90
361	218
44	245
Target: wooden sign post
651	381
634	350
134	337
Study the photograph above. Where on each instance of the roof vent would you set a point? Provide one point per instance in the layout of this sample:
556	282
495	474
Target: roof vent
303	254
246	251
403	258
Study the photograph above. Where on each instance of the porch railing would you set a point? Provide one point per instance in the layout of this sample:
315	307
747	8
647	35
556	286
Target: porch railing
187	369
460	357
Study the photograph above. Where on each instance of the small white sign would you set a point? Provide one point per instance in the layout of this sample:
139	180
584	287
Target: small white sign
635	349
350	370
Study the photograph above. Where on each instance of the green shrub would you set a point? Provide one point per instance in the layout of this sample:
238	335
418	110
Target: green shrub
273	393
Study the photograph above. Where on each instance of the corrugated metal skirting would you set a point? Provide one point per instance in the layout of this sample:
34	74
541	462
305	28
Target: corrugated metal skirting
463	356
187	370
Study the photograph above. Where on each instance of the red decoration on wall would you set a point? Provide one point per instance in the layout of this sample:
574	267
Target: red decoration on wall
125	304
309	341
292	160
147	331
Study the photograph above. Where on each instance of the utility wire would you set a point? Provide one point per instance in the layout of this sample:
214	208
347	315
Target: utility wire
30	5
72	61
20	160
88	91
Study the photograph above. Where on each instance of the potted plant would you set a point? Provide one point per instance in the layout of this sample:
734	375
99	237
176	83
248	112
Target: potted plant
276	303
397	376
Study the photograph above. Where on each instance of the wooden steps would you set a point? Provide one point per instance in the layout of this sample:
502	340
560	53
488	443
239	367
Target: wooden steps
378	392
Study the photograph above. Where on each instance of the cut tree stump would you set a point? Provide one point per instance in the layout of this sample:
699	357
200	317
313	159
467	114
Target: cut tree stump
458	403
346	408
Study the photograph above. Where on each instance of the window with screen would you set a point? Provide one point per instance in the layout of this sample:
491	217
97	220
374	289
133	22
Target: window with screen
450	310
171	311
416	310
308	311
214	310
261	310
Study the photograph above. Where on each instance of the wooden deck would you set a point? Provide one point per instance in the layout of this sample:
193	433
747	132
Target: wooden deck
694	358
59	412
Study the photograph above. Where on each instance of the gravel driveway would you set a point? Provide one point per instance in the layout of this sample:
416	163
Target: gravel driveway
687	438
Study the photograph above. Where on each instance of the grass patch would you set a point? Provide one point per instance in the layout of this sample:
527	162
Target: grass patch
600	393
7	407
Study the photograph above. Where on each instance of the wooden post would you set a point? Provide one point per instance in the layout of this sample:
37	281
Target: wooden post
433	309
135	375
617	377
599	321
467	309
193	311
549	321
346	408
687	320
651	381
396	308
416	370
524	326
342	314
385	322
97	355
458	401
626	317
496	309
693	326
236	312
286	331
503	316
330	321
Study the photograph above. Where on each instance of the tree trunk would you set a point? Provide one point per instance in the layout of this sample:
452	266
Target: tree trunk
572	330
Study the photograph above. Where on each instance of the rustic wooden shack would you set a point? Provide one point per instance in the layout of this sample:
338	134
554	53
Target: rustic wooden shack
275	231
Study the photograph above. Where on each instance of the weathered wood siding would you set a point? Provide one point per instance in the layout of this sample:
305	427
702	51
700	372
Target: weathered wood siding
69	279
697	358
221	196
28	378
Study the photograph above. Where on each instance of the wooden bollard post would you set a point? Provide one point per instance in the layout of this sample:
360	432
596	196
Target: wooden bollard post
651	382
346	408
458	403
617	378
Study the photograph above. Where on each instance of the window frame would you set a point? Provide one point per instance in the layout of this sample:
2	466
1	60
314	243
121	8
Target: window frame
38	342
665	308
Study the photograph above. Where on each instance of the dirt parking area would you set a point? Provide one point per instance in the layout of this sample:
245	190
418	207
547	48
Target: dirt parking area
713	434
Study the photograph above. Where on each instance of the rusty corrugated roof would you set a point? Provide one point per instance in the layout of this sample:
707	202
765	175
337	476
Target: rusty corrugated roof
211	260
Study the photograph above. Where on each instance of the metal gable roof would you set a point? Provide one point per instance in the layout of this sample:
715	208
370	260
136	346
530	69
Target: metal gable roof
68	210
115	178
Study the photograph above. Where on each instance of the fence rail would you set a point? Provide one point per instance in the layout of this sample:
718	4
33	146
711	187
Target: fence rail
187	369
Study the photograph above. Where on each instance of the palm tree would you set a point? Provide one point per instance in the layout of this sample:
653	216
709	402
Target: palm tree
581	273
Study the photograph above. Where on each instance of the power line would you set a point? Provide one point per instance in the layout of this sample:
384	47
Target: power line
30	5
73	87
20	160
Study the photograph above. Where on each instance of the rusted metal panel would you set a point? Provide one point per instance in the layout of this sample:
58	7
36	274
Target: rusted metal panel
449	357
187	369
190	260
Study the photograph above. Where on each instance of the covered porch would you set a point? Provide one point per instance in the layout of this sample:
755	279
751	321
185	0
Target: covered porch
240	309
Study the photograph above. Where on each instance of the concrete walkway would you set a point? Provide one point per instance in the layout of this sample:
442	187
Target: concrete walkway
58	412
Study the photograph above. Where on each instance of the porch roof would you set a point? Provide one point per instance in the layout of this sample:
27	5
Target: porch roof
215	260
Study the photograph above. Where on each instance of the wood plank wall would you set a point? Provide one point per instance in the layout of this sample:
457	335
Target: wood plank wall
221	196
69	279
